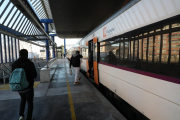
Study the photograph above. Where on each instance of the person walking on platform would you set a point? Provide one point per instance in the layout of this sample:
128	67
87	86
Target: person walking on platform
75	62
26	94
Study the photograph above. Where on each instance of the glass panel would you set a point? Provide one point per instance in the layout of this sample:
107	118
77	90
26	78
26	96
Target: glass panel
166	27
95	52
20	23
157	48
132	46
175	25
3	48
144	48
109	53
121	50
7	49
11	23
175	47
165	48
5	13
14	50
23	25
150	49
17	47
10	16
126	51
136	50
17	22
2	7
10	48
140	48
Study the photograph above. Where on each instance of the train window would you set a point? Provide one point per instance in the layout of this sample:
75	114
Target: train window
136	50
140	48
151	32
157	30
145	33
165	48
157	48
144	48
132	50
175	47
95	48
175	25
83	50
126	51
109	53
150	49
121	51
166	27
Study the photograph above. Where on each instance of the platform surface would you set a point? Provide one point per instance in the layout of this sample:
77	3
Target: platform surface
62	100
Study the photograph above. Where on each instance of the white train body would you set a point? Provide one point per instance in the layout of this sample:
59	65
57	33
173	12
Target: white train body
156	96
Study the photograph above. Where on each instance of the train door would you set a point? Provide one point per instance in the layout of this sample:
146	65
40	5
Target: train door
90	59
96	52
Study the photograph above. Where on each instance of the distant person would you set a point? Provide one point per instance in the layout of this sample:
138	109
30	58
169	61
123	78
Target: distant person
64	55
75	62
26	94
112	59
61	55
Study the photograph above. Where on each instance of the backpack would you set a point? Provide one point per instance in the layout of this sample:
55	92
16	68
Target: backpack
18	80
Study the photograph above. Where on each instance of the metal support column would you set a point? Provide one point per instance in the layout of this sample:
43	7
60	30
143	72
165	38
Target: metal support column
15	49
1	49
47	42
12	49
5	49
53	48
65	47
9	49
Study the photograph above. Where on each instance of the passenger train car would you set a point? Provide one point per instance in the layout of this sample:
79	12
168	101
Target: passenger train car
136	54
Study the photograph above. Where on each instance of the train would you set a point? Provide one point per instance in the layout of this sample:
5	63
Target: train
136	55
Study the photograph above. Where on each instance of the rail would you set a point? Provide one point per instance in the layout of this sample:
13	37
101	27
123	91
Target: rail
4	72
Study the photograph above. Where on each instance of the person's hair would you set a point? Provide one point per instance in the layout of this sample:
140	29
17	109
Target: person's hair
23	53
77	52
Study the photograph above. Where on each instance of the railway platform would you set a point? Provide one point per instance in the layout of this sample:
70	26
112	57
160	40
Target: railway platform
60	99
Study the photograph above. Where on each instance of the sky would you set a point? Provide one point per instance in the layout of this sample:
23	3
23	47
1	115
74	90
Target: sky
69	42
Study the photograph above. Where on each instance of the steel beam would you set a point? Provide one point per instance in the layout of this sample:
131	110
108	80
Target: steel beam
1	49
47	42
12	49
9	49
5	48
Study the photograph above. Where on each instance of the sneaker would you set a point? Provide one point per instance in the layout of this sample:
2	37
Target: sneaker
76	83
21	118
79	78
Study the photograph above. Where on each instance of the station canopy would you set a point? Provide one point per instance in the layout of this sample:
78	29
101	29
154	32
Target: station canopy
19	19
77	18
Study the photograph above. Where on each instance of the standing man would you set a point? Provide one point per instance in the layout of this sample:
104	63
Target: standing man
28	93
75	62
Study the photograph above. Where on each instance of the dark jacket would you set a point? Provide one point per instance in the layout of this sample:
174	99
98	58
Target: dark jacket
75	60
29	68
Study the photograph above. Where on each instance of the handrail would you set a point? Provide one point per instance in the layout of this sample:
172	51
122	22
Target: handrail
5	71
6	67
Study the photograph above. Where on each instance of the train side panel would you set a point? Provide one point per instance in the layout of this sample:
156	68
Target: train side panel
157	99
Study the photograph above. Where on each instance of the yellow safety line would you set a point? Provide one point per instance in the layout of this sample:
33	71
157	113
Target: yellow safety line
73	116
6	86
